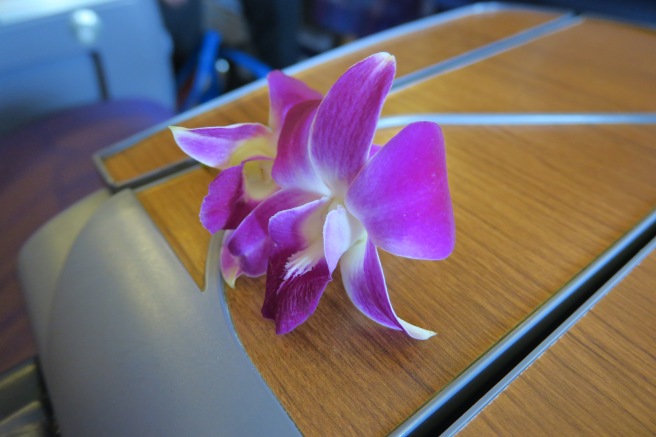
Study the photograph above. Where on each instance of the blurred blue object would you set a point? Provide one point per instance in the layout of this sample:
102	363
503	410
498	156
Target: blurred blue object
198	81
63	54
256	67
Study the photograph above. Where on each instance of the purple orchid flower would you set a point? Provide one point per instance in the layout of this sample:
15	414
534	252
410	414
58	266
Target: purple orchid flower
244	153
337	203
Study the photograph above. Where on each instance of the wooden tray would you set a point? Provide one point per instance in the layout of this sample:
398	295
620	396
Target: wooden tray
551	165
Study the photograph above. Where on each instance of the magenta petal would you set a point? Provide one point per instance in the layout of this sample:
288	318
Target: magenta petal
346	121
297	298
285	92
213	146
296	232
298	273
374	149
250	241
363	279
293	167
402	195
224	207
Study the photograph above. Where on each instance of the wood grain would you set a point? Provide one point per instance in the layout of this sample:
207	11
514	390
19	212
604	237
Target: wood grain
596	66
426	47
531	211
413	52
533	205
598	379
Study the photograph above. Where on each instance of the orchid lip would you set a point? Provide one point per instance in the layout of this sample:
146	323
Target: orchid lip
303	261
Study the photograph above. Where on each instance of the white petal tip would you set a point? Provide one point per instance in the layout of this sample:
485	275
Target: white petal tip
230	281
385	57
416	332
425	335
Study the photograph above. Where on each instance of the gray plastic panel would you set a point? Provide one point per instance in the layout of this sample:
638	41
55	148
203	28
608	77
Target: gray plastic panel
42	258
135	348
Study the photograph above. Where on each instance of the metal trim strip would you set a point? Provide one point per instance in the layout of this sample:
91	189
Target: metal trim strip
444	119
435	20
147	185
438	410
551	339
520	119
421	24
487	51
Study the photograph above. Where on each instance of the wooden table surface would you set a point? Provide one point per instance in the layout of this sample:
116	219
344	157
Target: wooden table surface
598	379
413	51
534	205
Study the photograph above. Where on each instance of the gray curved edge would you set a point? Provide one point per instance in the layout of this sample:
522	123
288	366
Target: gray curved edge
551	339
133	347
42	257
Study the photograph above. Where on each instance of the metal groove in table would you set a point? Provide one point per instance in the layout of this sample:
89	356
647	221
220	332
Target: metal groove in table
611	393
161	156
452	408
486	51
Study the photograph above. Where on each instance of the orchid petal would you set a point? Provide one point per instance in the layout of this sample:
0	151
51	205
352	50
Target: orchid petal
296	299
293	167
298	272
230	269
224	206
250	242
402	195
222	147
346	121
285	92
364	282
340	231
374	149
